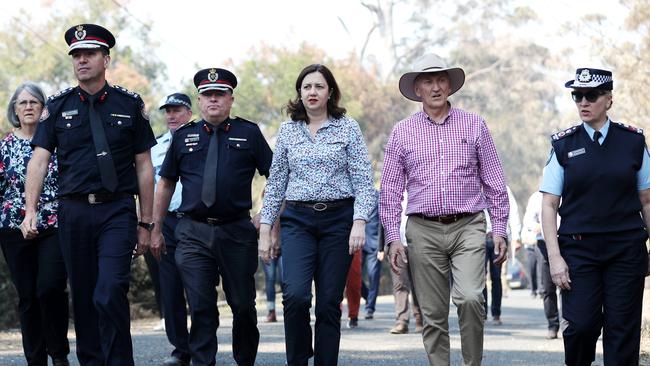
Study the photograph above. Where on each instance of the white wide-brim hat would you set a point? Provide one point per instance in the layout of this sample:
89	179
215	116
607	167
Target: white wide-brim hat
430	63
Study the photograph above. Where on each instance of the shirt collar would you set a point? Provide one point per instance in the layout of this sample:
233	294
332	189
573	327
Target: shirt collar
450	111
590	130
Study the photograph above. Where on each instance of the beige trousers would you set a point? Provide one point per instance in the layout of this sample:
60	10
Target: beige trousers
434	251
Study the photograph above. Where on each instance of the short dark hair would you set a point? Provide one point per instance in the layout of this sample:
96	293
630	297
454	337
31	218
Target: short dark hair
295	108
32	89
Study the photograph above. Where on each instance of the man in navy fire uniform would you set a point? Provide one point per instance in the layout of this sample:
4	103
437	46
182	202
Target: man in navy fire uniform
102	137
215	159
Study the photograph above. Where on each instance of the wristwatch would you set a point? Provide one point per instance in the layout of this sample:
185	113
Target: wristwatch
147	225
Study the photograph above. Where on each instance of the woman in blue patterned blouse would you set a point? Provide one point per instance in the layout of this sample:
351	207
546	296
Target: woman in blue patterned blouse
322	171
36	265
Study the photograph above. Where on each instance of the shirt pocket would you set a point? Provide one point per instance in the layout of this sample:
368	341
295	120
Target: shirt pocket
464	154
191	158
239	152
69	132
119	128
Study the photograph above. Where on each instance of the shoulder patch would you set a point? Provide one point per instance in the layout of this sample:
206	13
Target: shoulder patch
60	93
565	133
244	120
126	91
628	127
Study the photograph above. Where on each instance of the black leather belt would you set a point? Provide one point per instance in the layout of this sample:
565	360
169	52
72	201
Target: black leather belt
97	198
214	221
321	206
444	219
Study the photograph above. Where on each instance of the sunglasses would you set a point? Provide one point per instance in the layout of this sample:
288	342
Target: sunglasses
591	96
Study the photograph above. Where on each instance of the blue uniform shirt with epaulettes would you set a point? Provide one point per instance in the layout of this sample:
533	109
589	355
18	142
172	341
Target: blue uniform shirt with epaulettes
65	128
598	181
242	150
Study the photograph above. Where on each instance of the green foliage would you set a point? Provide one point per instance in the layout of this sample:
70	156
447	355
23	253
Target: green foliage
36	50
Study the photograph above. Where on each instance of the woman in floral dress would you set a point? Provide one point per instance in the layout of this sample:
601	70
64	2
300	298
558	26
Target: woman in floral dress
36	265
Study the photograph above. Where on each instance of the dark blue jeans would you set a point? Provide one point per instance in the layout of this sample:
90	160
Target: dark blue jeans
270	271
314	247
495	276
373	270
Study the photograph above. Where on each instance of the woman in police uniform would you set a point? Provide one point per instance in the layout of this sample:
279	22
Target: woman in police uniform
600	170
322	171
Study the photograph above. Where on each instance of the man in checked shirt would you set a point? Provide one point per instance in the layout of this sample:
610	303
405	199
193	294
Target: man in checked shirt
446	160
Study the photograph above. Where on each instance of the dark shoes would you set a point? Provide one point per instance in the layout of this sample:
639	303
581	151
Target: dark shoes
270	317
400	328
61	362
369	315
552	334
353	322
174	361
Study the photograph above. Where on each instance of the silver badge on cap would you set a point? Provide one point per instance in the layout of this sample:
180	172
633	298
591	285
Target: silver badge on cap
212	75
585	76
80	33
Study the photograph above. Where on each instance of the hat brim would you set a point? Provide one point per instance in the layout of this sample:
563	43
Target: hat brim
173	105
591	85
407	81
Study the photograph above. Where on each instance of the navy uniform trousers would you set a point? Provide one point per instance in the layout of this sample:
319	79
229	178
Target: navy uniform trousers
204	253
315	246
607	274
38	273
172	294
97	242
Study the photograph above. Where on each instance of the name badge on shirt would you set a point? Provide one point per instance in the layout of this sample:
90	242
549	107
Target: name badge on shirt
236	139
120	115
69	114
192	138
575	153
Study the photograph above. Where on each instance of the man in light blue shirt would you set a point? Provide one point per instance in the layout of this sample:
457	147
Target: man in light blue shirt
178	111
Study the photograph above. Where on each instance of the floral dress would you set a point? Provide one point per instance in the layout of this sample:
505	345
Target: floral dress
15	153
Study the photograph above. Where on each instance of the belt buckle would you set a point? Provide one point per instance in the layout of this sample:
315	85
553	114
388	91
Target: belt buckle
92	199
320	206
212	220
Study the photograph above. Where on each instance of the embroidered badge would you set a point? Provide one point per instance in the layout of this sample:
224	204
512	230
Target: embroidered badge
80	33
584	76
44	114
212	75
577	152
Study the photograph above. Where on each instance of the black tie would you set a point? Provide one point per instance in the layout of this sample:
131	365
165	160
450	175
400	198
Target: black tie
209	189
104	157
597	135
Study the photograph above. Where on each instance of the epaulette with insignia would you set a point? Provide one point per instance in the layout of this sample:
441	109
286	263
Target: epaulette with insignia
562	134
190	123
60	93
126	91
628	127
244	120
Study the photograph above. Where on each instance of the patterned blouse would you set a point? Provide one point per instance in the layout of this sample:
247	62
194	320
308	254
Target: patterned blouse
332	165
15	153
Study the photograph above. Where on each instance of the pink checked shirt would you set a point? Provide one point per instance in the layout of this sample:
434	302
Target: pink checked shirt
446	168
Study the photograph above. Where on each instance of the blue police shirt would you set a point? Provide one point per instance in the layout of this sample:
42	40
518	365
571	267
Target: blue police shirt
65	127
158	153
553	176
242	150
